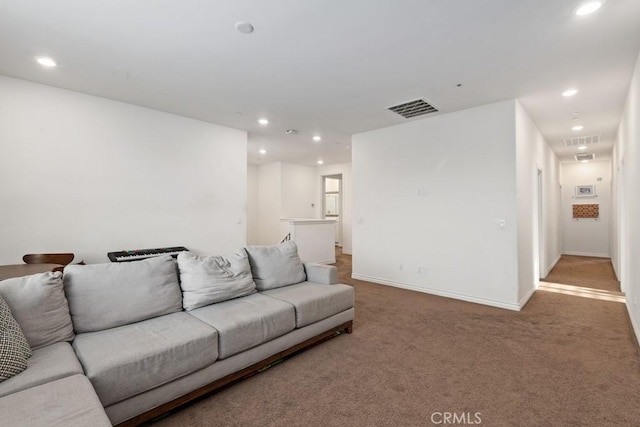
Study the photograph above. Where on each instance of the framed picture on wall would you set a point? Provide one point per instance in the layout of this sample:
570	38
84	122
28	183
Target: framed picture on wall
585	190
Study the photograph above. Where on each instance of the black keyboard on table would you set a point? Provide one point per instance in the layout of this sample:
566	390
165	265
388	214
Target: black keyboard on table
138	254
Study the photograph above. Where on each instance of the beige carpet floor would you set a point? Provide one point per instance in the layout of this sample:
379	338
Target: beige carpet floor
588	272
563	360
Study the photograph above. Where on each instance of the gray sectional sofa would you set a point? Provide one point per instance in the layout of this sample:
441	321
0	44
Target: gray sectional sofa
120	343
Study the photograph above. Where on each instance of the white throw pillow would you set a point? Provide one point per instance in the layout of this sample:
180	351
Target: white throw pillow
209	279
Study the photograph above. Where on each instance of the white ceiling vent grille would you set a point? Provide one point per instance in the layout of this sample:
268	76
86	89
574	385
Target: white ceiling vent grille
413	108
582	141
584	157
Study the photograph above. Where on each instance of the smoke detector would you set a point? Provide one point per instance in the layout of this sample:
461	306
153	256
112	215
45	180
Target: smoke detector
290	131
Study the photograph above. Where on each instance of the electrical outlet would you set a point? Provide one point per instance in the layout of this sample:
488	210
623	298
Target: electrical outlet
423	270
401	267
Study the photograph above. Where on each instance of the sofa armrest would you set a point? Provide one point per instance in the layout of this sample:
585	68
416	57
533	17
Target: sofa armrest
321	273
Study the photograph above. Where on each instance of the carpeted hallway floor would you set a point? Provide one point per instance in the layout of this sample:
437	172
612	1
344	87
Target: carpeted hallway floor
588	272
562	361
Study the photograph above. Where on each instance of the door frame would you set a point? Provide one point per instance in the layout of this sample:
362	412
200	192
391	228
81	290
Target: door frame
324	193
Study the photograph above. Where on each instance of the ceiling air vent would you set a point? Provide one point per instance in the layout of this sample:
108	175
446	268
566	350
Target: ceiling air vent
584	157
413	108
582	141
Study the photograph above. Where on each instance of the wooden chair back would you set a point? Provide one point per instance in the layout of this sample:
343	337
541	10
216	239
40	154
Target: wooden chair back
62	259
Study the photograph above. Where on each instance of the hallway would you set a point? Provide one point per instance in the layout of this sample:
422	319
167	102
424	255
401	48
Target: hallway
586	272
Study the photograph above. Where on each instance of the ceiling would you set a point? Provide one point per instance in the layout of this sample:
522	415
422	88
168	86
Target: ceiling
329	67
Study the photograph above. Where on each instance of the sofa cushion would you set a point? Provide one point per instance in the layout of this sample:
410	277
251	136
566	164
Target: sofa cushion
39	305
103	296
67	402
47	364
209	279
246	322
275	266
314	302
127	360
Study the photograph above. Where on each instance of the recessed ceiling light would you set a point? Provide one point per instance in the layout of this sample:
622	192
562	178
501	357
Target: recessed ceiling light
317	138
45	61
263	121
584	161
582	147
569	92
578	127
588	8
262	151
320	162
244	27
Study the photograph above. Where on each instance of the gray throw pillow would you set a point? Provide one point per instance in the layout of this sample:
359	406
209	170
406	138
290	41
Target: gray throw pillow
39	305
104	296
209	279
14	349
276	266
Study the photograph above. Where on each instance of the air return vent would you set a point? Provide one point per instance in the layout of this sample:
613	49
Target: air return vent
413	108
584	157
582	141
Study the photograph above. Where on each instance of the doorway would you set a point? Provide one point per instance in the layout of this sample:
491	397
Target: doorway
332	202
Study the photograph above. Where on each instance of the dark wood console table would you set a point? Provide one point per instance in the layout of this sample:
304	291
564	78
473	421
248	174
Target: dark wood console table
19	270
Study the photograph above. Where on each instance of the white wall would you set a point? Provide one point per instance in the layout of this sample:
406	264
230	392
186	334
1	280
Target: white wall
552	221
538	250
616	239
343	169
89	175
526	188
299	192
429	196
270	229
626	172
587	237
284	190
253	211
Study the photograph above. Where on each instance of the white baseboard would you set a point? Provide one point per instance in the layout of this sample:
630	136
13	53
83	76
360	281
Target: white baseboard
615	270
587	254
553	264
526	298
462	297
634	325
